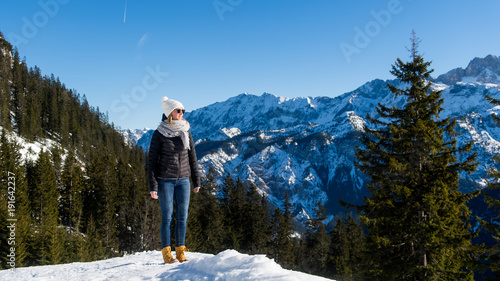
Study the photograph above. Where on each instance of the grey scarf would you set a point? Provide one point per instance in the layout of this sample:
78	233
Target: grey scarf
180	128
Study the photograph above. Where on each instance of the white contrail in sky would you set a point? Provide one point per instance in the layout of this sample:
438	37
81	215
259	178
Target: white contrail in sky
125	13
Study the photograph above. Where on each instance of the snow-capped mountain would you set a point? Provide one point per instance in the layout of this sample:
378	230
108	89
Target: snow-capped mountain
306	146
134	135
479	70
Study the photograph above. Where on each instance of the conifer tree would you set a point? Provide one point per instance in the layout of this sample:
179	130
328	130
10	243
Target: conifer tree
256	228
65	113
5	121
149	215
212	219
492	253
237	218
34	121
4	235
128	207
283	243
57	244
416	216
92	247
150	221
226	189
5	77
11	163
194	236
317	242
340	252
71	200
24	226
101	199
111	193
277	235
19	78
346	250
7	189
47	212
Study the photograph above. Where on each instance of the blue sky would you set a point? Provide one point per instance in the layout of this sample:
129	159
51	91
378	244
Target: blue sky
124	55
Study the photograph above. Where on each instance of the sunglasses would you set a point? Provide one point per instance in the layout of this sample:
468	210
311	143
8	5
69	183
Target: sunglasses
181	110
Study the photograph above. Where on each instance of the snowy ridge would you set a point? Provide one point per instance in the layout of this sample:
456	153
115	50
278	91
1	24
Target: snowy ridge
227	265
306	146
480	70
134	135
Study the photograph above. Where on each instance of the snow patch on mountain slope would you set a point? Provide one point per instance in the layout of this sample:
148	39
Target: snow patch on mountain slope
357	122
30	150
232	132
220	160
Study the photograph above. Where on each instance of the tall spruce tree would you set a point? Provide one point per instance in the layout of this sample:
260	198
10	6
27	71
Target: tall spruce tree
12	204
19	103
230	202
71	201
317	242
346	250
16	188
237	218
492	253
128	207
5	120
416	216
91	247
256	228
210	217
47	212
283	244
5	77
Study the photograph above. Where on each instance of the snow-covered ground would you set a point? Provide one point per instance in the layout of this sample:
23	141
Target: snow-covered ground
227	265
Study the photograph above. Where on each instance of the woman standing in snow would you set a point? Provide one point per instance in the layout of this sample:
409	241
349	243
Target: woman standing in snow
172	161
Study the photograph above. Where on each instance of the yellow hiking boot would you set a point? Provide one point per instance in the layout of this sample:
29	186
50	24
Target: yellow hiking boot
179	253
167	255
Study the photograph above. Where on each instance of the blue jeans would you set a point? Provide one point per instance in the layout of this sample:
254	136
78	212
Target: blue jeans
170	190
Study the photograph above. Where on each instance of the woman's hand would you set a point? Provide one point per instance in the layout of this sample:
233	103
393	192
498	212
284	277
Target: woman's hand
196	189
154	194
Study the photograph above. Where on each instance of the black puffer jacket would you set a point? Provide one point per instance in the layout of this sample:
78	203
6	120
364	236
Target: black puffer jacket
169	160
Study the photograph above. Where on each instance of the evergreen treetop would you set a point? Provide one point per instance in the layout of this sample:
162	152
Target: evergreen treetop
416	215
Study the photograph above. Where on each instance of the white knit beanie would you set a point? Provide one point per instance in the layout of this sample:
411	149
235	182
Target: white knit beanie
169	105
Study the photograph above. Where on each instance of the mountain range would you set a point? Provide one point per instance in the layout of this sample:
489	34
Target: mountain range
306	145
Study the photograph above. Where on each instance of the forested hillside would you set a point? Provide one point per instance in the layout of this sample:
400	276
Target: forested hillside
83	196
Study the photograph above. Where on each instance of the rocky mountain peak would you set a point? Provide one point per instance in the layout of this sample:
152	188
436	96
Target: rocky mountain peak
480	70
478	65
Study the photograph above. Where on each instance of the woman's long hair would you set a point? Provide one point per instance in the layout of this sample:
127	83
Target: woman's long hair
170	118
